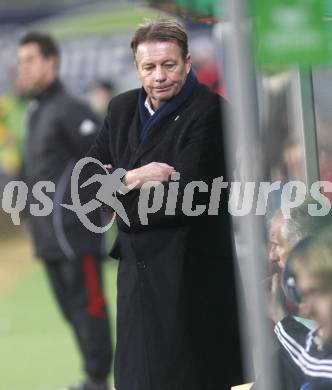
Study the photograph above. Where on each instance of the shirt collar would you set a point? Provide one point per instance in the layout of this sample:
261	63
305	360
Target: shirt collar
148	106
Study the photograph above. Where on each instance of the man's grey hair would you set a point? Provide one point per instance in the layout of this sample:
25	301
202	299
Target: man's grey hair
301	224
161	30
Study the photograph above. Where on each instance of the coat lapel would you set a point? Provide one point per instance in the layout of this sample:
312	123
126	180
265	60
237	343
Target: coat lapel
133	141
156	134
133	132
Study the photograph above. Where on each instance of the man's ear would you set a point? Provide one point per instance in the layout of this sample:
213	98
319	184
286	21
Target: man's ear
137	70
188	62
136	67
55	62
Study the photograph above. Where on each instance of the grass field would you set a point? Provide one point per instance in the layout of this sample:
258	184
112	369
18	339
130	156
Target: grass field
37	351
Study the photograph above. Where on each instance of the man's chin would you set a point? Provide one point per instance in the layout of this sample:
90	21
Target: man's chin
166	93
159	101
275	268
163	95
31	91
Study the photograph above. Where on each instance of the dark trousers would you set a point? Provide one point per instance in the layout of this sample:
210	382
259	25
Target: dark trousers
77	287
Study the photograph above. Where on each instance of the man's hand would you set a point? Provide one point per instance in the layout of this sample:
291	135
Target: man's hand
277	307
152	172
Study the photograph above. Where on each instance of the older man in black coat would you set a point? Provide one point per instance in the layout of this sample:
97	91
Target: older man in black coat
177	323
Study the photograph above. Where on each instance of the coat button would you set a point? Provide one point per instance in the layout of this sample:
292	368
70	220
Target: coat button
141	264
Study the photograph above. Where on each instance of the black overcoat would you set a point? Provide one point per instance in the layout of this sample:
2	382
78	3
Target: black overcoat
176	309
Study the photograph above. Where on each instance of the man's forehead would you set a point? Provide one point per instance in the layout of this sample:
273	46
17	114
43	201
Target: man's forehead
30	48
157	50
276	225
276	234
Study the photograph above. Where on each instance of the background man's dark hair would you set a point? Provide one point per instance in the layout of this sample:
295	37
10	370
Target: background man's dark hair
46	43
161	30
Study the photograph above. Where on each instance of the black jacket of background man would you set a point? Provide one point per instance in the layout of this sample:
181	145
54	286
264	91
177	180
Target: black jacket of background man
61	129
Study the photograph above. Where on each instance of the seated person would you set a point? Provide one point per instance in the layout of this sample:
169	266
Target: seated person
284	234
311	351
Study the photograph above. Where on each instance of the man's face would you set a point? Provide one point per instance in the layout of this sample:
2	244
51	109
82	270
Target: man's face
279	247
316	303
162	70
35	70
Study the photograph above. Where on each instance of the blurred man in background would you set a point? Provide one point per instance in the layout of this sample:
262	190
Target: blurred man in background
60	130
285	232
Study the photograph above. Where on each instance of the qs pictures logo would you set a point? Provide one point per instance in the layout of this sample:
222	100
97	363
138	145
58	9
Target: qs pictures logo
107	194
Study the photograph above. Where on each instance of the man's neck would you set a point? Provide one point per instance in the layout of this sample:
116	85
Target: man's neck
155	106
42	90
48	82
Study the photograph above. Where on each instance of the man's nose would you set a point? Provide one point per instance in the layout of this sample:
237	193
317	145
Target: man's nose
160	74
273	256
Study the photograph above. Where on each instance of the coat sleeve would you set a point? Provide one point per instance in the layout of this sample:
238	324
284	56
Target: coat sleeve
100	148
80	126
100	151
201	159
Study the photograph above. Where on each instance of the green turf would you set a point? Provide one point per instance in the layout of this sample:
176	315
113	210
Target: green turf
37	351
